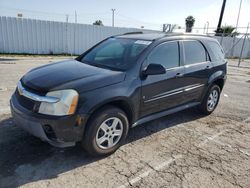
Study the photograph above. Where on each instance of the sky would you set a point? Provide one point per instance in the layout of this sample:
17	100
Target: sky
151	14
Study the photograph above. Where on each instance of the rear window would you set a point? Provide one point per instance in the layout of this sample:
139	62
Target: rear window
194	52
217	50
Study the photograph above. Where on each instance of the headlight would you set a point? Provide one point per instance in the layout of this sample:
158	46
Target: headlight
66	105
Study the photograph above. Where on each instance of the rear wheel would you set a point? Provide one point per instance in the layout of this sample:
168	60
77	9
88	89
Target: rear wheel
106	131
210	100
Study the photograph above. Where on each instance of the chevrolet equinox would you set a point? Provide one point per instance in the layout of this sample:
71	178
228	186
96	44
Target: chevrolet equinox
119	83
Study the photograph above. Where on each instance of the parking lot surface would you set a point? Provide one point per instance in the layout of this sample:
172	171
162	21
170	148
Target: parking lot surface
184	149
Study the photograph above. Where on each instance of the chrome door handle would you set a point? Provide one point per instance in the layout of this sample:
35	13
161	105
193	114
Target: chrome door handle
208	67
178	75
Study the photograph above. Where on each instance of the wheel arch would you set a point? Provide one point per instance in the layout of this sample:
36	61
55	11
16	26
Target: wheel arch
217	78
220	82
122	103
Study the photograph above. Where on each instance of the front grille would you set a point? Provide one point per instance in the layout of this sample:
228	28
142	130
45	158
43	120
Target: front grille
26	102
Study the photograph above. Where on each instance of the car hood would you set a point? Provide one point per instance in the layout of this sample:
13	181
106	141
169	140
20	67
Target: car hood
70	74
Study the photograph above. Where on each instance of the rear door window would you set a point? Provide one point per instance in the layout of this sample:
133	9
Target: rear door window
194	52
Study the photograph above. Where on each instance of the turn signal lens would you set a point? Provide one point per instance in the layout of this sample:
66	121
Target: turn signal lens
73	105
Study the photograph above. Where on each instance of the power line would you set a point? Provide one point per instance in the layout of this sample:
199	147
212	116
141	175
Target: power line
54	13
138	21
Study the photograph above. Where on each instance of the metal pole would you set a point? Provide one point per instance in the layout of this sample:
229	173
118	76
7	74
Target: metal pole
207	26
113	17
221	15
236	28
67	21
221	39
75	25
204	29
238	16
67	18
164	27
242	47
75	17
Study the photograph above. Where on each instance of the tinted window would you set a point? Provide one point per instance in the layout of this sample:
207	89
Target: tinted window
166	54
194	52
113	50
115	53
217	50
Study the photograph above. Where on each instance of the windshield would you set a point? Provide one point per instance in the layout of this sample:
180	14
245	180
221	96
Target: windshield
115	53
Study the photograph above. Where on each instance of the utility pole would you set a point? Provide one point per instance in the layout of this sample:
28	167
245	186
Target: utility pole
75	17
204	29
66	30
243	45
113	17
221	15
236	28
67	18
238	16
75	33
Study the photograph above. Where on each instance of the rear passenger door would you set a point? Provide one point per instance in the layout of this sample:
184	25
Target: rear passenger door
197	68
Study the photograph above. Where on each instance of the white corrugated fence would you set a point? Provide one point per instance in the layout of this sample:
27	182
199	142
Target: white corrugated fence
49	37
18	35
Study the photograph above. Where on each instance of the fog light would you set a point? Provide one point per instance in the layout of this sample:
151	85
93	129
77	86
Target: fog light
49	132
47	128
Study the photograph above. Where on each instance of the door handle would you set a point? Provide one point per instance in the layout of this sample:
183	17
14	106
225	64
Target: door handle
179	75
208	67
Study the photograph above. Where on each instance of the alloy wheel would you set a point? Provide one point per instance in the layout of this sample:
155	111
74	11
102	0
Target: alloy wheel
212	100
109	133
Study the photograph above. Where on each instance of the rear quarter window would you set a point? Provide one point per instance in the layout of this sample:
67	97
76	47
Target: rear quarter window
217	50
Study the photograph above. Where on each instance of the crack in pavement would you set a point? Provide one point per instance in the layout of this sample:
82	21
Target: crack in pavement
148	172
182	177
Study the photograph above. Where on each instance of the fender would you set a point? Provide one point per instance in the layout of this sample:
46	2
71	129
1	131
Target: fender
126	101
122	101
215	76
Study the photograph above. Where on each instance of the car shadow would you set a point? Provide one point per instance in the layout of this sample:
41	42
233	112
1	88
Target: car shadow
8	59
21	154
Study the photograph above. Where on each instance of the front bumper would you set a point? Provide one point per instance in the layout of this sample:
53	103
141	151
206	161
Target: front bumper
58	131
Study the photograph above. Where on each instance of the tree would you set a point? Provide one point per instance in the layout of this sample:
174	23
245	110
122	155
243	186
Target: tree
189	23
226	31
98	22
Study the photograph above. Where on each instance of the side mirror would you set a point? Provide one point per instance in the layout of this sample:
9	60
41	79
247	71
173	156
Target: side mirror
154	69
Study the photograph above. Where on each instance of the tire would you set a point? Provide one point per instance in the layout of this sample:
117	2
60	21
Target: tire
210	101
106	131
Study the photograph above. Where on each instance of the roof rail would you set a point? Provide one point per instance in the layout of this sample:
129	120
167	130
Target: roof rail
194	34
129	33
135	32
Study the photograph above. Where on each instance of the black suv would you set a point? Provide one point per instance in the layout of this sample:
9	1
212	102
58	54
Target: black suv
121	82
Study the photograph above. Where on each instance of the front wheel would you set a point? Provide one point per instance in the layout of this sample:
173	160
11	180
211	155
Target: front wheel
106	131
210	100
